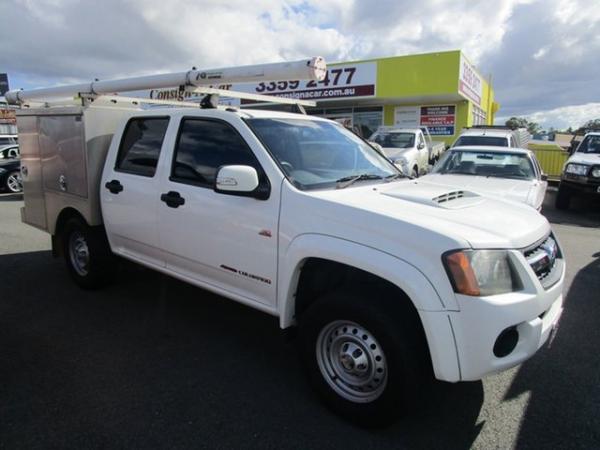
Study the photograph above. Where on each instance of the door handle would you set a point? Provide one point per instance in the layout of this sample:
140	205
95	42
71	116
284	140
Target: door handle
172	199
114	186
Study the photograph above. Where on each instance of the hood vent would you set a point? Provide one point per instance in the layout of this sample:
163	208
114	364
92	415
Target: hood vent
448	197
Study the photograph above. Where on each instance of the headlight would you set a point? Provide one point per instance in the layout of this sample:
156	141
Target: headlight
596	172
577	169
2	170
481	272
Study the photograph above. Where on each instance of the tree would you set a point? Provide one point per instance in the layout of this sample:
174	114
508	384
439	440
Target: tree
522	122
590	125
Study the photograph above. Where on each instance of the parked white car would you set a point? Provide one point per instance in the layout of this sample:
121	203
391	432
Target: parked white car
511	173
496	136
581	174
408	148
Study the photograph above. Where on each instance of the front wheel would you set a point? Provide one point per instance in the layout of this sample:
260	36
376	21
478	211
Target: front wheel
361	358
87	254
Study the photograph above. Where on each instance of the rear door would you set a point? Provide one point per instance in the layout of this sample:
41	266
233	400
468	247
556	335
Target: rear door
130	190
222	241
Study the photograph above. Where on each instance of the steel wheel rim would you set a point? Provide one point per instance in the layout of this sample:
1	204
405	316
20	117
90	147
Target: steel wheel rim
14	182
79	253
351	361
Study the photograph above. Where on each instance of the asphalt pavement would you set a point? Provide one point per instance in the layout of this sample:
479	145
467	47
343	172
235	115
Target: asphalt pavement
151	362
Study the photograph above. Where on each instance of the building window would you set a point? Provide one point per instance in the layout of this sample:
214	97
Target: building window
479	116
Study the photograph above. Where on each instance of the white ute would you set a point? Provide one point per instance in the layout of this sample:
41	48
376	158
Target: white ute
385	278
493	136
410	149
581	172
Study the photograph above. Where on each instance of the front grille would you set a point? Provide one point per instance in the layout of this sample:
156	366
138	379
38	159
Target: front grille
545	260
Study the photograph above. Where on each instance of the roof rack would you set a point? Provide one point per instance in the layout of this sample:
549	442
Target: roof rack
197	81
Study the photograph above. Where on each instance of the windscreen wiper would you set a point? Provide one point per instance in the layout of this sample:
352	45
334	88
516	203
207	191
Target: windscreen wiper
351	179
396	176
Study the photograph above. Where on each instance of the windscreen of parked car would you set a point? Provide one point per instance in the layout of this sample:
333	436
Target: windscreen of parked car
591	144
481	140
394	139
318	154
487	164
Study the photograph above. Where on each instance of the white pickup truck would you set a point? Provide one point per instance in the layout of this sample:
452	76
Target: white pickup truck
385	278
411	149
581	172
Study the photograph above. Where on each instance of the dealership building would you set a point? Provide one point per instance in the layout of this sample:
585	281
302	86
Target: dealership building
442	91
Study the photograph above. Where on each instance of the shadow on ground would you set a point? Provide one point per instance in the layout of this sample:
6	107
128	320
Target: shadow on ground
583	212
564	379
152	362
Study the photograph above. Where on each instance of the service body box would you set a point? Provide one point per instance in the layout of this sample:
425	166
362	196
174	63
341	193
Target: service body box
63	150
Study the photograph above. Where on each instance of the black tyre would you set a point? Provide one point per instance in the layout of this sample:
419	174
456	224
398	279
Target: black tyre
563	197
415	172
363	356
87	254
13	183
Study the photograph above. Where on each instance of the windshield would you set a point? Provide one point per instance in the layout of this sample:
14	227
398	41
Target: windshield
591	144
487	164
481	140
394	140
318	154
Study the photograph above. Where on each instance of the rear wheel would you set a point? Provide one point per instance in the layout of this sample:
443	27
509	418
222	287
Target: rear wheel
87	254
563	197
14	182
361	357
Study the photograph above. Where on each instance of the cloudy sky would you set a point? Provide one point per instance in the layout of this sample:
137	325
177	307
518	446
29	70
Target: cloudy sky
543	55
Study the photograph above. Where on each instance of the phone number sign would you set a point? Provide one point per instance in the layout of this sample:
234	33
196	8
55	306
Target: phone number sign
341	81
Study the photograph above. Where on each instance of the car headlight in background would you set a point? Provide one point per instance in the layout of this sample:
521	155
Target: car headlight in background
2	170
577	169
481	272
596	172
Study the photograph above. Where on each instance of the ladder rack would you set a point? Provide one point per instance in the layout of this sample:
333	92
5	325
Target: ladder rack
199	81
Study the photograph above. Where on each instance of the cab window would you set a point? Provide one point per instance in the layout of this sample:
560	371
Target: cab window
141	144
204	145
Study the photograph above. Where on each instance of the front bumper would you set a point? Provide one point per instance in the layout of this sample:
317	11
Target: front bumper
534	312
581	184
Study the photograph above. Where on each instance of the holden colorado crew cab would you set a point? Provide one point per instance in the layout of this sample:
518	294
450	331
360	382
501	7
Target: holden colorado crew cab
385	278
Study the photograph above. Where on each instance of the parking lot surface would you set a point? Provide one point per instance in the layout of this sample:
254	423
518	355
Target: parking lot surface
151	362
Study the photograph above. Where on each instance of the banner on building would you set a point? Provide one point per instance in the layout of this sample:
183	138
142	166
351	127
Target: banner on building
470	84
341	81
439	119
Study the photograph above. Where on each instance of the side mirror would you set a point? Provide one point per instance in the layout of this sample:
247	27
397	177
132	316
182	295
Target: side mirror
237	180
544	177
421	146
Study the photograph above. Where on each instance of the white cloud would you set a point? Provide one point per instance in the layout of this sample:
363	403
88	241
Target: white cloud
563	117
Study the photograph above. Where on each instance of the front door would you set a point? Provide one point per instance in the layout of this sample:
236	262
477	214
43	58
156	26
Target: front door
217	240
130	191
